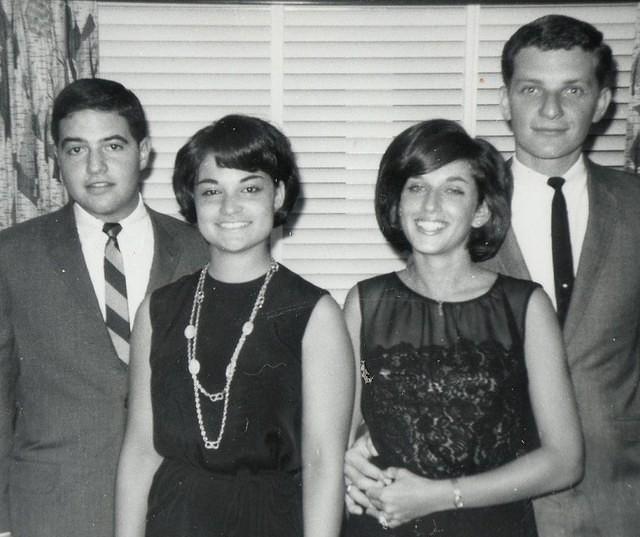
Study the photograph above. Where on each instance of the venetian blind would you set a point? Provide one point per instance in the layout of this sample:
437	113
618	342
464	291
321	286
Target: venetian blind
496	24
341	82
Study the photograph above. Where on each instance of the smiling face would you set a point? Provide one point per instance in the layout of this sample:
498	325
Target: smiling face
100	163
438	209
552	100
235	208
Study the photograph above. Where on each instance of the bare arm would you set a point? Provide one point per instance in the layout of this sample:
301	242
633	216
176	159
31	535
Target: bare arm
138	457
327	388
555	465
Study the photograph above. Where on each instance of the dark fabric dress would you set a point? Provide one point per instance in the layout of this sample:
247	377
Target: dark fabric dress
251	485
447	396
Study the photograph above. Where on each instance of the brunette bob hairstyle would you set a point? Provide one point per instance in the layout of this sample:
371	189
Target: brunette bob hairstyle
240	142
428	146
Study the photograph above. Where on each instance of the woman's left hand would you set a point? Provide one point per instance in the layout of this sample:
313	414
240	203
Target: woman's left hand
406	498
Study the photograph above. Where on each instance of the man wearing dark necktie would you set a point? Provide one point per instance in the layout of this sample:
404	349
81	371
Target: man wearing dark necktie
563	274
576	230
70	284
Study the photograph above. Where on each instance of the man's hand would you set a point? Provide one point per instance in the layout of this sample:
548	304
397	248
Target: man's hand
361	475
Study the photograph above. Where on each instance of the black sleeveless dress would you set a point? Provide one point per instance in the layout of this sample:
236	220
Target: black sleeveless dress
444	394
251	485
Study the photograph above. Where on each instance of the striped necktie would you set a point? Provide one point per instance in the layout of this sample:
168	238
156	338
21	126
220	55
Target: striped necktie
117	307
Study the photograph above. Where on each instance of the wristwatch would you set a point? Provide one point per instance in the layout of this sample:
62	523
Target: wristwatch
458	503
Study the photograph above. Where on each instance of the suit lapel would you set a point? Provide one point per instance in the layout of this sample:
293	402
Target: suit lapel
166	253
510	259
66	253
595	248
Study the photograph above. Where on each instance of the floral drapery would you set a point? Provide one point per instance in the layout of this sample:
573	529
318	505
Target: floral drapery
632	150
44	44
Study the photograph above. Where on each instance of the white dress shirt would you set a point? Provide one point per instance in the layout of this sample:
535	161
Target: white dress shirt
531	218
136	243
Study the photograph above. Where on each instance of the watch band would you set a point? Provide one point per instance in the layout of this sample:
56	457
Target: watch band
458	503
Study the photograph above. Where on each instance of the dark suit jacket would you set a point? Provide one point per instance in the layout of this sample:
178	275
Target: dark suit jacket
63	389
602	337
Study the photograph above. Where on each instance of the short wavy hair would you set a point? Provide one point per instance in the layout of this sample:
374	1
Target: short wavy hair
427	146
104	96
244	143
559	32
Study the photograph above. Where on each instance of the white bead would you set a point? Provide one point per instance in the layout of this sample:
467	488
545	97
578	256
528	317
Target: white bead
194	367
190	332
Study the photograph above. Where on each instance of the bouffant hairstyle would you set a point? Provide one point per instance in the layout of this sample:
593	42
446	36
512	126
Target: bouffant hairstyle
240	142
427	146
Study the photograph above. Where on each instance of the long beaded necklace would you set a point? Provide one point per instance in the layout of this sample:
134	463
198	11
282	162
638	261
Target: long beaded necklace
191	333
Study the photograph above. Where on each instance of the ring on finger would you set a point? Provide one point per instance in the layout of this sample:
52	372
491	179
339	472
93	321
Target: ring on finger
383	522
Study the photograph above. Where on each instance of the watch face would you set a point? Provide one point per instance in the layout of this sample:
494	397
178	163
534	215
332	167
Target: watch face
457	495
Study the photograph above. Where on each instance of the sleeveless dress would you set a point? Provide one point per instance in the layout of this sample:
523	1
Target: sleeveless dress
444	394
251	485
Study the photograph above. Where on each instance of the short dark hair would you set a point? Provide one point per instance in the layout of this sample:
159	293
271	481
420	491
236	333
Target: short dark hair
244	143
427	146
559	32
103	95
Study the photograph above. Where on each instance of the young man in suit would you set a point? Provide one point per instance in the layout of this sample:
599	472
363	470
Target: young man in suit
70	283
558	79
579	236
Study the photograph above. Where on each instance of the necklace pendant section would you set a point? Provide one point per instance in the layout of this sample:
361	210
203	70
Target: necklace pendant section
194	366
190	331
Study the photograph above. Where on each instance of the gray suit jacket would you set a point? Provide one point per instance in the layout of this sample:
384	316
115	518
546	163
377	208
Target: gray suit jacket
63	390
602	337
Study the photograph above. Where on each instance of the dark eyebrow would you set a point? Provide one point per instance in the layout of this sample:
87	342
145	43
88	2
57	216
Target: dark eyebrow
249	177
112	138
115	137
457	178
206	180
246	178
252	176
528	80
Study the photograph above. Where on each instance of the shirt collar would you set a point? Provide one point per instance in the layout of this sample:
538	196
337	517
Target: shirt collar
86	220
576	174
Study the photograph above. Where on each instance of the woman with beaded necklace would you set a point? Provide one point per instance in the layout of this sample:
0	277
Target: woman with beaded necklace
241	380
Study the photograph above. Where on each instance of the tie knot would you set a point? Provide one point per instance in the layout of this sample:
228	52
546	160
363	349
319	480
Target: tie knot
555	182
112	229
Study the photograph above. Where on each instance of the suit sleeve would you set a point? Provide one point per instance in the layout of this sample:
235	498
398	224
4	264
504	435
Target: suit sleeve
8	370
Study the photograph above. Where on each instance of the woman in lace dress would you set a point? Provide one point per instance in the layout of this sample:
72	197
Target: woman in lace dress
463	382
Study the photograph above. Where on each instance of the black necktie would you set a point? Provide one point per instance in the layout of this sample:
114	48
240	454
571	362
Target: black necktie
117	307
561	248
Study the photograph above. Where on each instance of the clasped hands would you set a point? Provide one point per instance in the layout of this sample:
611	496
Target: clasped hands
394	496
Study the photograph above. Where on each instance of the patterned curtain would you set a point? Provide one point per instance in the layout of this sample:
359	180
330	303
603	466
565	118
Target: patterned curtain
632	150
44	44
